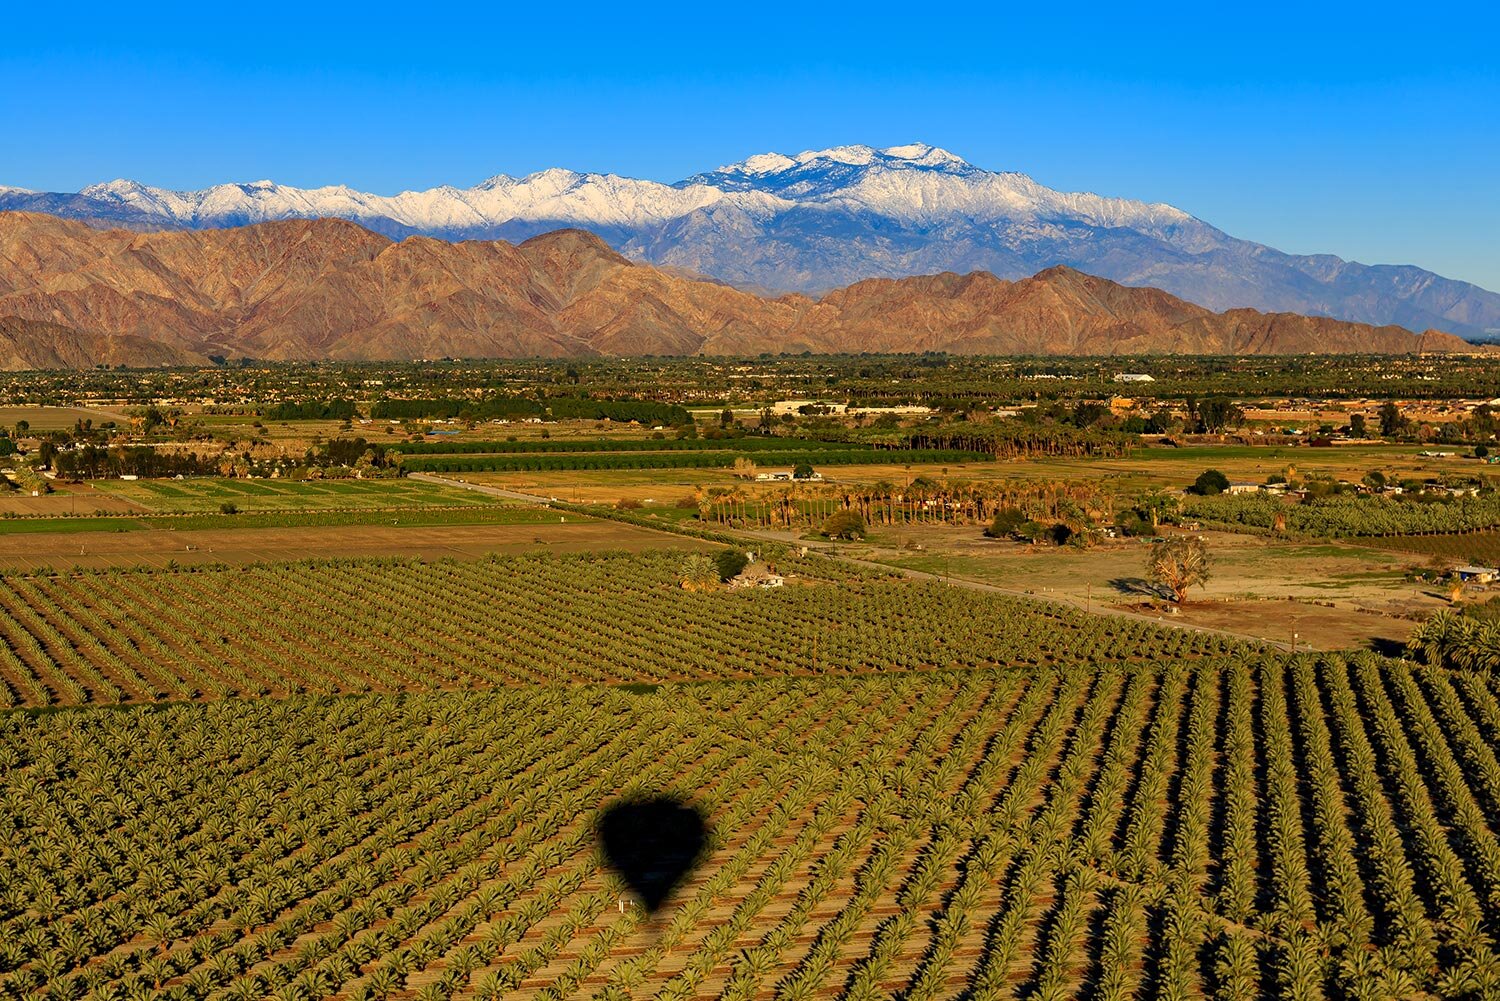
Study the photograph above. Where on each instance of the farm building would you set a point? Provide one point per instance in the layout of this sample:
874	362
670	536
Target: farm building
758	575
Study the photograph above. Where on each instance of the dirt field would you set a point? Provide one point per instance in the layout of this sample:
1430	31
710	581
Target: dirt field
667	486
159	547
67	499
1309	626
1258	587
1160	467
54	418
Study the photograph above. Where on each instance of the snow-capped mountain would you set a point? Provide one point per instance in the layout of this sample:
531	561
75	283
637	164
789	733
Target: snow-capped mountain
825	218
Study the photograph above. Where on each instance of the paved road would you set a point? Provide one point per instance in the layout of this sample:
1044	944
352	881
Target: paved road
828	549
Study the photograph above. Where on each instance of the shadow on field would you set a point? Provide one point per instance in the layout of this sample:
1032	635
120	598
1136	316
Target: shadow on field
653	843
1131	586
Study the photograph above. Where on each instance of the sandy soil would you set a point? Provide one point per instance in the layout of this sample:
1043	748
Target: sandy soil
1309	626
67	499
1259	587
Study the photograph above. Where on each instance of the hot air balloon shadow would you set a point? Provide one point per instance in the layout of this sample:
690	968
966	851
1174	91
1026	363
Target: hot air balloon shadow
653	843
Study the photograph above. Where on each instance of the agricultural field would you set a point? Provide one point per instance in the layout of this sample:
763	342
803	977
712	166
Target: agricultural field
1164	467
417	536
359	739
56	418
68	500
403	625
1146	468
666	487
1237	826
1482	548
209	493
498	513
1334	595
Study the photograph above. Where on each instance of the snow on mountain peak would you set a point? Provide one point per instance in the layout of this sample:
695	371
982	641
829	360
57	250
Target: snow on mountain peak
925	155
853	156
760	163
119	188
915	182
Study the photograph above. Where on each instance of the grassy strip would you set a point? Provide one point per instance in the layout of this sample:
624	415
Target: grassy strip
405	518
765	443
30	525
206	494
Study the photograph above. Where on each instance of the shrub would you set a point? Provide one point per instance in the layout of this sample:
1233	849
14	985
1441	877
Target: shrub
1006	522
848	525
730	562
1209	483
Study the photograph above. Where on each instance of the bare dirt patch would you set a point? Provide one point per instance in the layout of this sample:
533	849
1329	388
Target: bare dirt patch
1310	626
56	418
1348	595
67	499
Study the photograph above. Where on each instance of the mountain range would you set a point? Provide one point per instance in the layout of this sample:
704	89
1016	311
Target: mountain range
72	295
827	218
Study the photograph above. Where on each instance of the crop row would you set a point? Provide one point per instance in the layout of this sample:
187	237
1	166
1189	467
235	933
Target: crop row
1346	516
1245	826
392	625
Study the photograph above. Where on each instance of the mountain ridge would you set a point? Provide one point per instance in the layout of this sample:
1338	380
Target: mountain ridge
331	289
823	219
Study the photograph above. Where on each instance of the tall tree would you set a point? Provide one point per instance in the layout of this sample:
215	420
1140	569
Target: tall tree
1178	563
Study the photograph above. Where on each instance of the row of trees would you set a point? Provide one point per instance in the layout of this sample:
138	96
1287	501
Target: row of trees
647	412
392	625
1345	515
1282	827
739	443
1081	505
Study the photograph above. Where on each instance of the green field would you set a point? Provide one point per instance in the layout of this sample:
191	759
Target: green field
416	517
365	749
1238	827
394	625
208	494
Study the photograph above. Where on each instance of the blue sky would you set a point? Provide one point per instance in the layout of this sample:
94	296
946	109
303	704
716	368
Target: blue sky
1361	130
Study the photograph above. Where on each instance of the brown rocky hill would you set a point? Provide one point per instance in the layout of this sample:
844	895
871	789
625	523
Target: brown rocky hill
324	288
